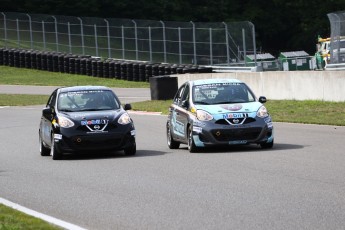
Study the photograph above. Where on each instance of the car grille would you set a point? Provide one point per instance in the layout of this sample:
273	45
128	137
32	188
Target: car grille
236	134
93	128
94	142
235	121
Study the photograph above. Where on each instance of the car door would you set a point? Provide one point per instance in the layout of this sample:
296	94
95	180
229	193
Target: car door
180	113
46	119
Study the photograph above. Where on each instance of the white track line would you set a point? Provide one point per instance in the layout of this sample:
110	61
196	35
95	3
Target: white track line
42	216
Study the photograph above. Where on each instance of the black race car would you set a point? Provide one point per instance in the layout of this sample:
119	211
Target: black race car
85	119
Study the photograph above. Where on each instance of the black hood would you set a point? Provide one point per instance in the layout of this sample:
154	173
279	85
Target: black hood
109	115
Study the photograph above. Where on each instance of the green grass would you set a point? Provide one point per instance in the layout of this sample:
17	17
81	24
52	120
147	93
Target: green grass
11	219
22	99
21	76
308	112
152	106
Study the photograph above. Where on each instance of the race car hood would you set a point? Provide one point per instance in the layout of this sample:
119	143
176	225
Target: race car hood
91	115
219	110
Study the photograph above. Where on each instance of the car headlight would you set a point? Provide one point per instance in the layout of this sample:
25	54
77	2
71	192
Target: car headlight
64	122
262	112
203	115
125	119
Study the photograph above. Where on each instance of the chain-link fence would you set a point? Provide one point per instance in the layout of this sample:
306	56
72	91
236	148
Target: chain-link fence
337	44
141	40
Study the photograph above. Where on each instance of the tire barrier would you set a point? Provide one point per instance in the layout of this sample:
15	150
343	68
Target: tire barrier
99	68
22	59
129	72
33	60
39	61
106	69
1	56
142	72
5	57
11	58
136	72
83	69
117	70
111	69
44	60
55	62
123	71
93	66
27	60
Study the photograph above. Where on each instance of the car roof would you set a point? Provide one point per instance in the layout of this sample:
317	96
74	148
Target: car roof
214	81
82	88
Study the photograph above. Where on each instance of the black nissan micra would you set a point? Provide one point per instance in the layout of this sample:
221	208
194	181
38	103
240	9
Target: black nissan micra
85	119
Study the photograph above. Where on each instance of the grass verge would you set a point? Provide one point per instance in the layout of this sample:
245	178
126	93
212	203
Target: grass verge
22	76
13	219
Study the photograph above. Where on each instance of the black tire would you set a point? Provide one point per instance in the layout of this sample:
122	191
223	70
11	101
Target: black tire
131	150
172	144
191	145
54	152
43	150
267	145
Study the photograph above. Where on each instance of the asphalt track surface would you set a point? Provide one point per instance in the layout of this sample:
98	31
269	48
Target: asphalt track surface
299	184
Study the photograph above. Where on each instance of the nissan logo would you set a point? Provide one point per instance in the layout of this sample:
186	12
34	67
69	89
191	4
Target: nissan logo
97	127
236	121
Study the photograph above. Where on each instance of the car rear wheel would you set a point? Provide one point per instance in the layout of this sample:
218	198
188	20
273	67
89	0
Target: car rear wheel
131	150
54	152
172	144
191	145
43	150
267	145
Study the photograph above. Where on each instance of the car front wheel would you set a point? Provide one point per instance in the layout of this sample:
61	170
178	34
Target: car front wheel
191	145
131	150
172	144
43	150
267	145
54	152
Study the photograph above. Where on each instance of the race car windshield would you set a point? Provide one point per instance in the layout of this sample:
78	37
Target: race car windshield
89	100
222	93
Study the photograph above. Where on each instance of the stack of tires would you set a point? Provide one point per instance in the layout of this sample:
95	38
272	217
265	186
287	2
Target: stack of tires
92	66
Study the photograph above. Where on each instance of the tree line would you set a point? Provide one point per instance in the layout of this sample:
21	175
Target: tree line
280	25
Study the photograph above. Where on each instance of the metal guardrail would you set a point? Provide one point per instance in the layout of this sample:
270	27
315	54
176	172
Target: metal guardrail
334	67
230	69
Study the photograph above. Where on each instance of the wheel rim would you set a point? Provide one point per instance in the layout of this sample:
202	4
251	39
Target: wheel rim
190	140
52	148
40	142
169	135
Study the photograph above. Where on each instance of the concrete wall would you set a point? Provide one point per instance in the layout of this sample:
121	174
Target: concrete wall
286	85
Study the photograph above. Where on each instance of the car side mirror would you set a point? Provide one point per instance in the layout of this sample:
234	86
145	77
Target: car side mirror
262	99
47	111
127	107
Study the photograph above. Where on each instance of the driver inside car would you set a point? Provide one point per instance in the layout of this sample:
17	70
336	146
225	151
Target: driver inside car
94	101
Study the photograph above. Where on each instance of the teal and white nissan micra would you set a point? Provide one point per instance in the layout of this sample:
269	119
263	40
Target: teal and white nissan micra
215	112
